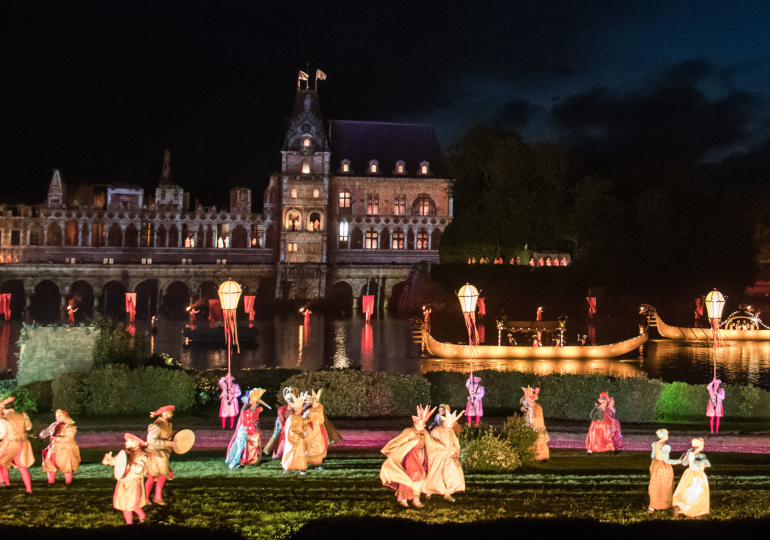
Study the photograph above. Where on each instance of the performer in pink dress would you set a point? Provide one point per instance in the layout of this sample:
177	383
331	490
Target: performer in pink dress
599	438
474	405
229	398
715	410
617	435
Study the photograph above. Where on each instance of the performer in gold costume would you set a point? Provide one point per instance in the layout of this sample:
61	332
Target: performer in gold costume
62	454
406	465
295	447
661	488
159	445
533	412
130	496
445	472
692	497
16	450
316	436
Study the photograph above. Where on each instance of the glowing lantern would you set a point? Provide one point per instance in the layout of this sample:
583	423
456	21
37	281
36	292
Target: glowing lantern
229	294
468	296
715	303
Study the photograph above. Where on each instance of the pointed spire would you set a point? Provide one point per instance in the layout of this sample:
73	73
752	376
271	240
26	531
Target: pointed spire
165	175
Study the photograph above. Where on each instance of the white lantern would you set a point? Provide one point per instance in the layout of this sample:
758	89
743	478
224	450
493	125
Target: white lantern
229	294
468	296
715	303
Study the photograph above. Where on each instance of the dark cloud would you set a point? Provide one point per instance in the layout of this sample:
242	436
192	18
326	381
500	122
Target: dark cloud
516	114
676	121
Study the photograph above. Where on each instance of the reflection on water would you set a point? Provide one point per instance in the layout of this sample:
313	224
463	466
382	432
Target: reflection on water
386	344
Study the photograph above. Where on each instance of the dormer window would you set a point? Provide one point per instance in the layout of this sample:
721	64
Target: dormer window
424	167
400	167
374	166
345	166
305	167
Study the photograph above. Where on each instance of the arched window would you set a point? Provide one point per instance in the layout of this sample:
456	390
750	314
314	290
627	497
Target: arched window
345	203
314	223
306	143
374	166
424	168
400	167
372	204
423	206
371	239
305	167
345	167
292	221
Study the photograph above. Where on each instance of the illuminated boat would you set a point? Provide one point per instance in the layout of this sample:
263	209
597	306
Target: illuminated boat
440	349
742	325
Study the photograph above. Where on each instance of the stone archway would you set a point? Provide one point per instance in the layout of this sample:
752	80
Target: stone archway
81	297
176	300
113	300
147	298
395	296
340	298
46	301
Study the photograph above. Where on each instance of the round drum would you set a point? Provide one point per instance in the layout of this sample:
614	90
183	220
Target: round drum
183	441
121	461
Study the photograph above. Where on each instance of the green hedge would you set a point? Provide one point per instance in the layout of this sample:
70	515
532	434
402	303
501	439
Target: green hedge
271	379
116	390
354	393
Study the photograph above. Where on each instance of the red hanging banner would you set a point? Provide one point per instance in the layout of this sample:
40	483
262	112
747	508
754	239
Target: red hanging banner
482	306
215	311
131	305
5	305
368	305
248	306
591	305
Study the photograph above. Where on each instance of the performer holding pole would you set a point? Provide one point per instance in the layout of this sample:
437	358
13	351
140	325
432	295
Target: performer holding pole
229	397
63	453
474	406
715	410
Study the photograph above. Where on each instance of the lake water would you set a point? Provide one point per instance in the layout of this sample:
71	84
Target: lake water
387	344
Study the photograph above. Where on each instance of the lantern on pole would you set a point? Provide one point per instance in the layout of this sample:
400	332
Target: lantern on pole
229	294
715	303
469	296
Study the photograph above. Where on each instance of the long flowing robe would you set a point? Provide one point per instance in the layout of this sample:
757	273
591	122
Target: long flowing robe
661	487
276	442
474	406
615	433
445	472
316	436
599	438
229	398
295	445
5	430
534	415
245	446
16	444
692	496
129	492
406	466
62	453
158	449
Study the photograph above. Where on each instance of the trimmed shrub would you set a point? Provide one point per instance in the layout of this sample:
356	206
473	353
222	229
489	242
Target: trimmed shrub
115	345
681	401
740	401
117	390
42	394
354	393
271	379
489	453
520	436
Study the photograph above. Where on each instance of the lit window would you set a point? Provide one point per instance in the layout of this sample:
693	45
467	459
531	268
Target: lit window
422	239
398	240
291	247
371	239
344	231
345	166
345	199
400	167
316	193
306	143
399	205
305	167
293	193
373	166
424	206
372	204
424	169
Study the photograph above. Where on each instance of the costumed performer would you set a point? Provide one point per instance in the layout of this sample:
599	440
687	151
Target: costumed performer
277	441
159	445
406	465
5	430
62	454
692	497
661	488
715	410
533	413
599	438
443	410
445	472
229	398
16	449
130	496
295	444
316	436
474	406
245	447
615	433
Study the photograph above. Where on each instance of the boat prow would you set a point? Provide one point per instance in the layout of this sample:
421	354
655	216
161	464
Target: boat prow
754	331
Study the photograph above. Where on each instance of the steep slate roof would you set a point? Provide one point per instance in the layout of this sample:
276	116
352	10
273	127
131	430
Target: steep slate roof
361	142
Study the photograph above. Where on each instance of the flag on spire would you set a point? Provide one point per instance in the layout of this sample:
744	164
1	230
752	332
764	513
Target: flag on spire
302	76
320	75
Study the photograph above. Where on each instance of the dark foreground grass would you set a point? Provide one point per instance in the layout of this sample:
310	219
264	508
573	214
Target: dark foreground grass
570	492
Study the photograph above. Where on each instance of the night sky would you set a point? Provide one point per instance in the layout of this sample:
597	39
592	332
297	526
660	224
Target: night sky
99	89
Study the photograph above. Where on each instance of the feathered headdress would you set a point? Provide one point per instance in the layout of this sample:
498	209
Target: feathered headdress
313	396
288	393
451	418
530	393
423	414
255	396
297	402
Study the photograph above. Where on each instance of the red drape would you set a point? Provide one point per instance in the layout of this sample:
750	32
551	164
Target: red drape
591	305
367	347
248	306
131	305
482	306
368	305
539	315
699	305
5	305
215	311
482	333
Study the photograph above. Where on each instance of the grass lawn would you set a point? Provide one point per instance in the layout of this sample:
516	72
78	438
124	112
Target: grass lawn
261	502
